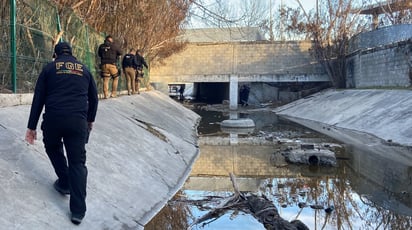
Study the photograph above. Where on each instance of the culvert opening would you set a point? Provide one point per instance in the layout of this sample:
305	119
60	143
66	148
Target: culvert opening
313	160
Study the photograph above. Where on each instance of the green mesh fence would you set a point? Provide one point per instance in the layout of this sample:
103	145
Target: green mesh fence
36	29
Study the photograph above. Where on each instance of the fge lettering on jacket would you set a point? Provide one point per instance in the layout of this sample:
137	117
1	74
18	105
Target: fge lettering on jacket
63	78
69	68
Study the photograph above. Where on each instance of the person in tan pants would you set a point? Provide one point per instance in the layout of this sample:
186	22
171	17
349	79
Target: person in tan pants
129	65
109	53
109	71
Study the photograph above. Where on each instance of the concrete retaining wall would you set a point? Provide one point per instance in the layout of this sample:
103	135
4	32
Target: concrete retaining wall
380	37
381	58
214	62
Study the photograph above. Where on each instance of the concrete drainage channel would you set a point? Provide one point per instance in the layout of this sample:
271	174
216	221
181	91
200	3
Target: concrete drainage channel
307	176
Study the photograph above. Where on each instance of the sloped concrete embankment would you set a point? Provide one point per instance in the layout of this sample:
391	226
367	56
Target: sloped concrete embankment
139	154
375	123
376	126
383	114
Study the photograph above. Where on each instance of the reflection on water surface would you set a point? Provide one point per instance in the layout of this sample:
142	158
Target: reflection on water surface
365	191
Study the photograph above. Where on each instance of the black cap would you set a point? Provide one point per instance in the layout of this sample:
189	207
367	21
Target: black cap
63	47
108	37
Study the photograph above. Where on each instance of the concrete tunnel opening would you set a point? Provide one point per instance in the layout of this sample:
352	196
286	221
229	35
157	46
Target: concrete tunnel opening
211	92
261	92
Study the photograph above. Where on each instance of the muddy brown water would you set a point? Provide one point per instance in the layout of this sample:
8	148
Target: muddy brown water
367	190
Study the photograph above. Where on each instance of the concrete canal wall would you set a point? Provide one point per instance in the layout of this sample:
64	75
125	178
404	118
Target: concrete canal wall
381	58
140	153
376	126
385	114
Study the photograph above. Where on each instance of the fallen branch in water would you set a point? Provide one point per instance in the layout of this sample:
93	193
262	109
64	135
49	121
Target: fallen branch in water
258	206
219	210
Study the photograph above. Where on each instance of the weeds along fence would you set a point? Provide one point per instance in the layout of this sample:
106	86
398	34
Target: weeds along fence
38	25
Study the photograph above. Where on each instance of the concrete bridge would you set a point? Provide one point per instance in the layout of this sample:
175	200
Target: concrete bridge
229	64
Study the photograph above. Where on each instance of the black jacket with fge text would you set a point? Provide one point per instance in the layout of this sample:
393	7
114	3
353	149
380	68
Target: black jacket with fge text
65	87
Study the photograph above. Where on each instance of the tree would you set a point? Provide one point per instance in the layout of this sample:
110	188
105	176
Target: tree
399	12
333	23
228	14
329	27
149	25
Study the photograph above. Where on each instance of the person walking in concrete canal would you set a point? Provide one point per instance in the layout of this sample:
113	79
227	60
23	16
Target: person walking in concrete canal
109	53
244	95
181	92
129	65
68	92
140	63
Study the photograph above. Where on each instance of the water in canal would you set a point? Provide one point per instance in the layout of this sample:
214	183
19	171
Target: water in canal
365	190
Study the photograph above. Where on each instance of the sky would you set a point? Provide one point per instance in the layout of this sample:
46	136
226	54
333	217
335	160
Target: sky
307	4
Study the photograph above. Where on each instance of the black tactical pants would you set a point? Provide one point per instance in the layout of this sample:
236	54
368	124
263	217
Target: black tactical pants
72	173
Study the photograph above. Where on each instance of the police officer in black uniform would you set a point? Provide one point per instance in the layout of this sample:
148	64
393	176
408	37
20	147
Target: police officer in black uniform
109	52
67	90
139	73
129	65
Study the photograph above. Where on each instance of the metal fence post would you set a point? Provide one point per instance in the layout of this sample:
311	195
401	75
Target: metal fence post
87	48
59	28
13	44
